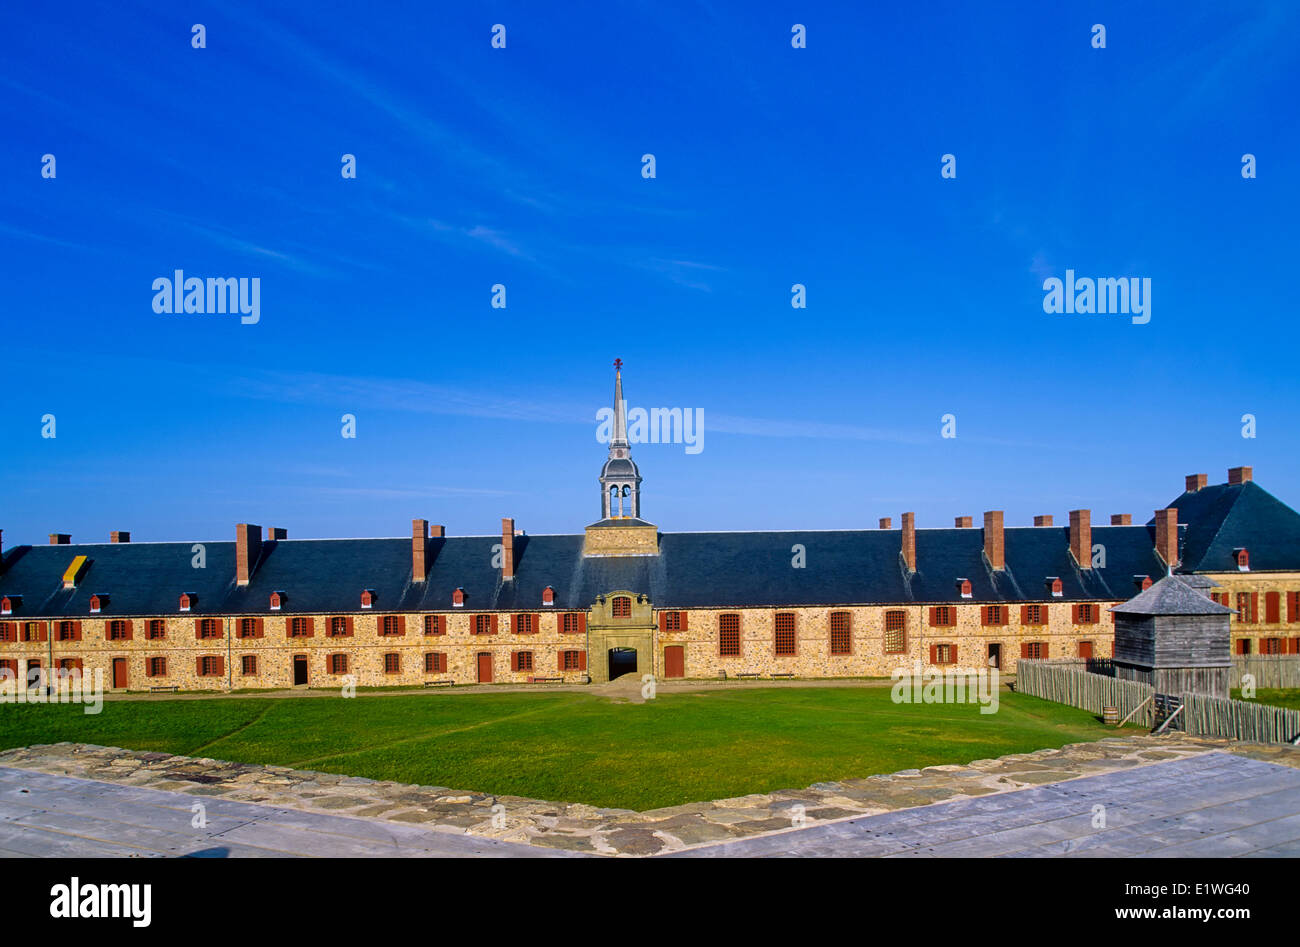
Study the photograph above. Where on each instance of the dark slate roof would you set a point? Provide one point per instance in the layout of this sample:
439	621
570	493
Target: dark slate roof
1225	517
693	570
1171	596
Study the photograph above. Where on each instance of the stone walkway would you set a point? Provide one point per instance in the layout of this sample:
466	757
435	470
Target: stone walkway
1211	805
583	828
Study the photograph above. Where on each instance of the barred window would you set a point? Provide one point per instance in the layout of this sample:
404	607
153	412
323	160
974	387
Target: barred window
155	629
298	627
338	664
622	607
248	628
1087	613
32	632
8	631
338	626
895	632
1034	615
524	661
435	662
1034	649
116	630
943	616
841	638
997	614
392	662
156	667
1270	646
569	660
1243	606
785	636
943	654
672	621
209	666
728	635
482	624
248	665
433	625
209	628
390	625
525	624
67	631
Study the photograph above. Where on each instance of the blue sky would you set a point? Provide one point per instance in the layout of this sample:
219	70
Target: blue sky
522	166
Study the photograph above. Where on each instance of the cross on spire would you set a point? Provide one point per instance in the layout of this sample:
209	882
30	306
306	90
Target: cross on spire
618	363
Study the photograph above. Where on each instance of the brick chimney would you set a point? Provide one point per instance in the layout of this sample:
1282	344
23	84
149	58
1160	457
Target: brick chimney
1167	536
1240	474
60	539
1121	519
419	548
275	532
1044	519
909	541
994	540
1197	482
507	548
438	532
248	546
886	522
1081	537
962	522
119	536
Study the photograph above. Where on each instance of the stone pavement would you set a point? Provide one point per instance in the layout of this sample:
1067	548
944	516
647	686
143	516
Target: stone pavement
1208	806
584	828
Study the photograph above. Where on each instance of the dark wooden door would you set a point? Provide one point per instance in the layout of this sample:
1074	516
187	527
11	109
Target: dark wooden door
119	672
485	668
674	661
300	669
995	655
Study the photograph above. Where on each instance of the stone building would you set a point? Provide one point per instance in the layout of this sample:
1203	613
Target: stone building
266	611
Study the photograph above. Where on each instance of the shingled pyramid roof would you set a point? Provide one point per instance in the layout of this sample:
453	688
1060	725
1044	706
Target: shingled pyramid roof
1171	596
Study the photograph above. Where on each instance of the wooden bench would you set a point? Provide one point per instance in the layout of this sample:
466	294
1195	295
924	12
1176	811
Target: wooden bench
753	675
786	674
159	688
546	680
439	683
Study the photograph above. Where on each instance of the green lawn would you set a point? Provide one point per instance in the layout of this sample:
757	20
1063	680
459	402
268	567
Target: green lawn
575	747
1274	697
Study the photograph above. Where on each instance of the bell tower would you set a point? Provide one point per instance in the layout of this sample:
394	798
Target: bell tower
620	531
620	481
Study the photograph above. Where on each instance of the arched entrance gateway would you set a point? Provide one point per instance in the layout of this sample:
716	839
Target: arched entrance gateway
620	636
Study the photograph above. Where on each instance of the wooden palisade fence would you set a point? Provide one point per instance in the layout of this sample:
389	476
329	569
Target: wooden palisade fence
1269	671
1067	682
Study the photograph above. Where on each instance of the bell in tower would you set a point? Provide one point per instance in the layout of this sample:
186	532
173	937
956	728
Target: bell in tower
620	481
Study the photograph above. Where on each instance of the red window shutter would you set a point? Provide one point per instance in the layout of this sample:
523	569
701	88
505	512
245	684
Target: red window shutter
1045	651
1254	607
1024	649
954	654
1074	614
984	614
494	623
130	630
1293	606
514	660
43	632
349	626
683	620
934	654
198	626
582	660
221	666
401	624
514	624
198	666
1272	607
258	627
76	630
663	622
1024	614
582	630
934	616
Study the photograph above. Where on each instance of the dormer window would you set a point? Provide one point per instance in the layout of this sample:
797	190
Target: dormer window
1142	581
367	598
621	607
963	586
9	603
458	598
96	602
1242	558
187	600
277	599
1054	585
548	596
